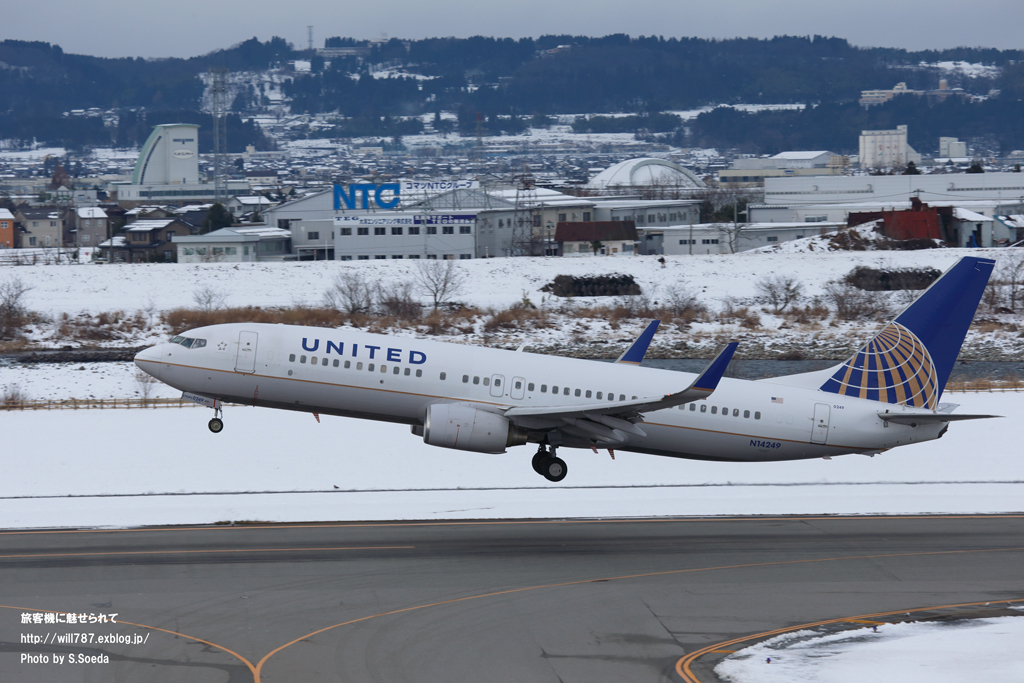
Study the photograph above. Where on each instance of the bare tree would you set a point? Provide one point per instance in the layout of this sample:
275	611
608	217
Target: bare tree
1011	275
350	293
441	280
779	290
396	299
681	301
145	382
12	306
208	298
852	303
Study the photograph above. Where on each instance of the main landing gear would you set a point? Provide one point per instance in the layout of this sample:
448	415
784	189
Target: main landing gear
548	465
216	423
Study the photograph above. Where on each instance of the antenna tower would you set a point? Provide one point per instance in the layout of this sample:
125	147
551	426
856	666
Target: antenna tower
309	30
219	91
526	211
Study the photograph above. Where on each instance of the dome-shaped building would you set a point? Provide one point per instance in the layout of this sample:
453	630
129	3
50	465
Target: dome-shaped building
645	172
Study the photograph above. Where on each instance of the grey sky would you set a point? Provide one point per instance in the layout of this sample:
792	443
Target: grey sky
184	28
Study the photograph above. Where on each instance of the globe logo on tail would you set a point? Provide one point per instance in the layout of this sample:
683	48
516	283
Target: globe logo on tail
894	367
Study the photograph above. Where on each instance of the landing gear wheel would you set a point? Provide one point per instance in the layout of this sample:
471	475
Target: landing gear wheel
555	469
216	425
538	461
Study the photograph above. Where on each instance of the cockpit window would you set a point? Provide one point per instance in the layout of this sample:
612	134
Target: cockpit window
189	342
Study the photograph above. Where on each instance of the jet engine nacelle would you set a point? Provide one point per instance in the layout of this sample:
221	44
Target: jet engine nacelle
464	428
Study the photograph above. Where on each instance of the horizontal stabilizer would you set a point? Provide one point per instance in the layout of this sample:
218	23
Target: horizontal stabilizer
914	419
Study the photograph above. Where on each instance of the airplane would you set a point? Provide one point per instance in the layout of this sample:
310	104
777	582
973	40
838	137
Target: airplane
487	400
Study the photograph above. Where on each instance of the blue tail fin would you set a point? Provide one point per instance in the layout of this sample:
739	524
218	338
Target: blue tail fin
909	361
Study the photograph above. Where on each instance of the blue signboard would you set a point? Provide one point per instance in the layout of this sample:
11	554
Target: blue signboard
363	190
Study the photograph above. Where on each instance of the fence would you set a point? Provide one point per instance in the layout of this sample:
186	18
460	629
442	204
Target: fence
96	403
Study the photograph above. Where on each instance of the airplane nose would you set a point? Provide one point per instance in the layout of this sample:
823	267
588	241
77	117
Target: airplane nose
146	356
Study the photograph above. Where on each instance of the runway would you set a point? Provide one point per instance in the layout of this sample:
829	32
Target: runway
619	600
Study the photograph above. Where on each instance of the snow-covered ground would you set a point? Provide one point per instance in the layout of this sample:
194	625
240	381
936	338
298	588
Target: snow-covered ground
146	290
936	652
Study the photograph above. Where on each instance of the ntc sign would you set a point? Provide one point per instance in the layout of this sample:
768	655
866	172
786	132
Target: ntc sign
363	190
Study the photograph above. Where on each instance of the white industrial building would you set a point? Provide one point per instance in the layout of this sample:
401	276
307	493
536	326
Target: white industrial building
167	169
751	172
886	149
726	238
1005	189
405	235
234	245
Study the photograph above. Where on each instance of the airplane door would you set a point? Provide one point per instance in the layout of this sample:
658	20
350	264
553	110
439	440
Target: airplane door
518	389
497	385
246	359
819	433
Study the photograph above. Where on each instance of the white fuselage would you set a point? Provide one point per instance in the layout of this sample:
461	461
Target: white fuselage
350	373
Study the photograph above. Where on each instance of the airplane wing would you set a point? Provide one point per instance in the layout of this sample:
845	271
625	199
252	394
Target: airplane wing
701	387
635	353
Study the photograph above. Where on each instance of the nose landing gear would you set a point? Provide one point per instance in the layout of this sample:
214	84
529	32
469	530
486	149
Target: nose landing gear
548	465
216	424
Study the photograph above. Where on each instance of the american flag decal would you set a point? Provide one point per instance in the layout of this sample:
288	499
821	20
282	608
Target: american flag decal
776	399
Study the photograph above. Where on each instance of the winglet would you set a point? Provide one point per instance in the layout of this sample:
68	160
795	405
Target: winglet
708	380
635	353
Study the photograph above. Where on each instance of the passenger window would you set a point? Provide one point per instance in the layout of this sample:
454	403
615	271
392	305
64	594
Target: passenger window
465	379
398	370
634	398
554	390
370	367
746	413
757	415
487	381
543	388
622	397
419	373
693	407
735	412
497	382
476	380
325	361
348	364
519	385
312	361
703	408
359	365
529	387
337	362
611	396
384	369
725	411
588	393
578	392
443	375
291	358
407	371
600	395
302	359
565	391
